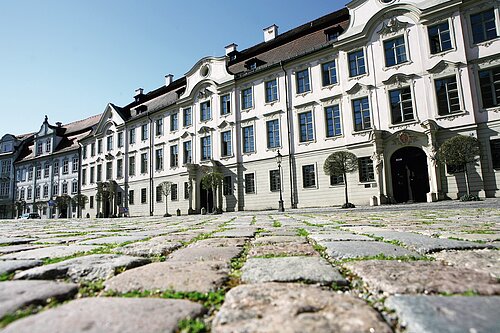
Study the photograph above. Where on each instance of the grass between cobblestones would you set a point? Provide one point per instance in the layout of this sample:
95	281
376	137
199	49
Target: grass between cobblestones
192	326
28	311
6	276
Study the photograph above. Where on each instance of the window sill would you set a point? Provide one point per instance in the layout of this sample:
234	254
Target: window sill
357	77
302	94
330	86
486	43
442	53
226	157
274	149
403	124
362	132
397	66
310	188
247	109
271	103
226	114
335	137
337	186
249	153
307	143
491	109
452	116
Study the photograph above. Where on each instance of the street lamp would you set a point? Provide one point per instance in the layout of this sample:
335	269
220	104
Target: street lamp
279	158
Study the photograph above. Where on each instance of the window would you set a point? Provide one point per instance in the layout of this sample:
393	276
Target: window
30	193
64	188
274	180
333	121
74	165
99	146
186	190
21	194
329	73
206	148
273	133
120	139
362	118
159	159
205	111
495	153
84	176
226	143
84	152
109	170
306	126
144	163
119	168
336	180
159	193
56	168
92	149
91	202
447	95
37	191
174	122
74	187
356	63
131	136
332	36
439	37
227	185
144	196
303	84
248	140
187	117
48	145
131	166
99	172
187	152
489	81
39	148
65	167
38	171
395	51
109	143
173	192
366	173
483	26
246	99
30	174
144	132
225	104
45	191
92	175
131	197
55	189
271	91
308	176
249	183
46	170
401	105
174	156
159	127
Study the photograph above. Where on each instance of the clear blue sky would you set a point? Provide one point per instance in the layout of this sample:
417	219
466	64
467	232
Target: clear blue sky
67	59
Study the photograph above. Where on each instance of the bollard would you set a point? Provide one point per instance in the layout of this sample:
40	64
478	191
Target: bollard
203	211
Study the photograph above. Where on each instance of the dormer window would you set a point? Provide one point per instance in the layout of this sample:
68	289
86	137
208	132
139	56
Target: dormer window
142	108
252	64
48	146
39	148
333	34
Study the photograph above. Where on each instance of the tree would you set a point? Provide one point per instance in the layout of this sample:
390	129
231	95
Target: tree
80	200
19	204
340	164
62	203
166	188
39	206
458	152
210	181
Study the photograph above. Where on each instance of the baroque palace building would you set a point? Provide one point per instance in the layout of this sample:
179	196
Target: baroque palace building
388	80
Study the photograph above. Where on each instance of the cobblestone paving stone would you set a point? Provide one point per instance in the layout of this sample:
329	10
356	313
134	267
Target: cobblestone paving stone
307	270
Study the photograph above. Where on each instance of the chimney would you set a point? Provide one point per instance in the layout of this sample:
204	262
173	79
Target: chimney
270	33
231	48
58	124
138	91
168	79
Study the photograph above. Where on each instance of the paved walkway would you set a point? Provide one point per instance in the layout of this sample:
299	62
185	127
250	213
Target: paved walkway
401	268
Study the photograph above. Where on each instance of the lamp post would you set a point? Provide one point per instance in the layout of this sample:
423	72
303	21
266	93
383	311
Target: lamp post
279	157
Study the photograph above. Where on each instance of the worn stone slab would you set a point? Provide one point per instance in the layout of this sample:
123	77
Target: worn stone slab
395	277
223	254
293	307
236	233
61	240
15	240
357	249
424	244
201	276
269	240
290	269
111	315
86	268
10	266
487	261
455	314
279	233
15	295
112	240
219	242
338	236
284	249
50	252
18	248
158	246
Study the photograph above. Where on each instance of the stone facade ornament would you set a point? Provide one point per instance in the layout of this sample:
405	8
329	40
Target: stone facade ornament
394	25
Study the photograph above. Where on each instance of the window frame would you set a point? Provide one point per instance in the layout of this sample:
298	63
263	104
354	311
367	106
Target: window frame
205	110
276	129
394	50
400	104
327	74
225	105
365	178
484	32
303	84
357	73
271	92
226	145
246	99
248	142
437	96
308	130
333	119
250	189
362	112
206	148
185	112
439	34
307	181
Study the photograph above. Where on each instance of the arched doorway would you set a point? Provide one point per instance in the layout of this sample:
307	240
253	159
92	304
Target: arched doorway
410	178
